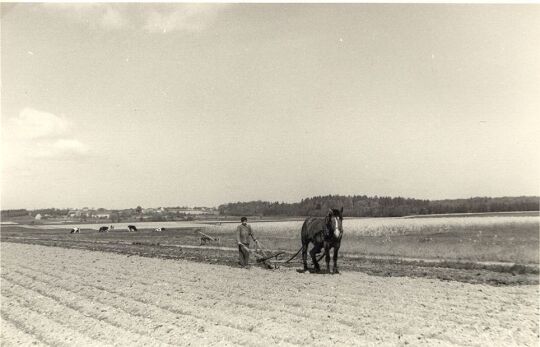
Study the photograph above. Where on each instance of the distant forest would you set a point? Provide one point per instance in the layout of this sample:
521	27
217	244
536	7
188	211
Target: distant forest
380	206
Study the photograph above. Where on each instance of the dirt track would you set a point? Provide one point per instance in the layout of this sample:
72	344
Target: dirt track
58	296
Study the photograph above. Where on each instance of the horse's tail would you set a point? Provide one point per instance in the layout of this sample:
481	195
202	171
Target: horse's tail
304	237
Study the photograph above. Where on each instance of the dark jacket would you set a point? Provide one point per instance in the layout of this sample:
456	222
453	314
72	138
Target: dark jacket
243	232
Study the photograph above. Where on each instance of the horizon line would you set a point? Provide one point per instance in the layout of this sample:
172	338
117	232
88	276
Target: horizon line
270	201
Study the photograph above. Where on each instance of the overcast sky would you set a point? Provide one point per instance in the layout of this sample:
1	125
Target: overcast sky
119	105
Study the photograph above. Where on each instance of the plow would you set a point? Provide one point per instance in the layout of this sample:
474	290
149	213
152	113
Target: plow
205	238
266	257
263	256
270	259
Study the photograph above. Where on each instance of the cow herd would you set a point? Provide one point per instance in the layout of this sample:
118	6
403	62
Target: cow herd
106	229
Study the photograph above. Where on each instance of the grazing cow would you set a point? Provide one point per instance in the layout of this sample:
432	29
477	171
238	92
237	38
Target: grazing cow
103	229
75	230
159	229
132	228
323	233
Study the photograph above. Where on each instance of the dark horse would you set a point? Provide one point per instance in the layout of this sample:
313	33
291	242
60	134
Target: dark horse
323	233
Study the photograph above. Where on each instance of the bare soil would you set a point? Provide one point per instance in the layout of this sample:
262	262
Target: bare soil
65	297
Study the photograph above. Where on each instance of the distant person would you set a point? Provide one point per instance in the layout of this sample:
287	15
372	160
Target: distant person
243	233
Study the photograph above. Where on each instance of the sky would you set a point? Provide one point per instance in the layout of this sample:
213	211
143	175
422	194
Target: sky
120	105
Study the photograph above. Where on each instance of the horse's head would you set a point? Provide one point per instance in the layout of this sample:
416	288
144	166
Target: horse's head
334	221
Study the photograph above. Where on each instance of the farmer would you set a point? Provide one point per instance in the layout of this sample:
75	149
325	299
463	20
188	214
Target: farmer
243	232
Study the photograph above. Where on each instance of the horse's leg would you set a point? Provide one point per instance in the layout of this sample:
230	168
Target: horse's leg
304	255
316	249
336	249
327	256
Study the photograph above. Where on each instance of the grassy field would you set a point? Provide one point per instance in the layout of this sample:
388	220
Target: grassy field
441	247
470	238
490	238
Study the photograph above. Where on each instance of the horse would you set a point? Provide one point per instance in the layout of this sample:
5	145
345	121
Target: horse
132	228
323	233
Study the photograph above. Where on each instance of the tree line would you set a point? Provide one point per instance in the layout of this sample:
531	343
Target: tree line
379	206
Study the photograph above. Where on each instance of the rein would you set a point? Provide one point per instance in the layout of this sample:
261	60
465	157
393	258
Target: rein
294	256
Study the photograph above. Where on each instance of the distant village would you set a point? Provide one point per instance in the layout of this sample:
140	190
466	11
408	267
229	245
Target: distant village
354	206
87	214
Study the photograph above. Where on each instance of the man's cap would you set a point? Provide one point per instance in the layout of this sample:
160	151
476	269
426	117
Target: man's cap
243	219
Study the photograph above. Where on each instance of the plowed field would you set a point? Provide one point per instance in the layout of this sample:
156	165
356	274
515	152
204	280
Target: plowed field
58	296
